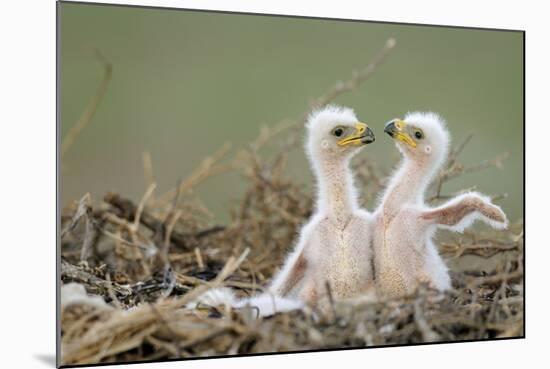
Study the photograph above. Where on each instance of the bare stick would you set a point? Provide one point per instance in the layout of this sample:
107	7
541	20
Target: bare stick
110	291
206	168
142	203
169	229
77	274
91	109
82	208
148	170
357	78
89	235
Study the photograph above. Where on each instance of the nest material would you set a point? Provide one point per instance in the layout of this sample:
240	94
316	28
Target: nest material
147	260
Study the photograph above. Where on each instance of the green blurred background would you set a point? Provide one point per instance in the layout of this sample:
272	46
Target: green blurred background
186	82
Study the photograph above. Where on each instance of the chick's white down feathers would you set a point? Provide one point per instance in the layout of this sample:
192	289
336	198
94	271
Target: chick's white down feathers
332	247
264	304
404	225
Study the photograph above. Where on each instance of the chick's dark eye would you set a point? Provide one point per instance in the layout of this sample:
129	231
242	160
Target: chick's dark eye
418	135
338	132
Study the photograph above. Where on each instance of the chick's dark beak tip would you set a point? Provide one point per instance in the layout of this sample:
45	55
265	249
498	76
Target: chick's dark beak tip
369	136
390	128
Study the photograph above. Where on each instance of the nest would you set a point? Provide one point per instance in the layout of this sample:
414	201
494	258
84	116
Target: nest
147	259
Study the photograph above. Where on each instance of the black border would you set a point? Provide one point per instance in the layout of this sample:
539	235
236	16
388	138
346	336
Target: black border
58	182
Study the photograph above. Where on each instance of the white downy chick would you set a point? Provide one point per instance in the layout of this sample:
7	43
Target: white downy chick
404	225
333	246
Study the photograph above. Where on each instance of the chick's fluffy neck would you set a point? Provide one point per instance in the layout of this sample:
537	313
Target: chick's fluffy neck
336	196
410	183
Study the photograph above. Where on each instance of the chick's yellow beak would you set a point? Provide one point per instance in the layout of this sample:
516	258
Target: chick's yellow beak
363	135
396	129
